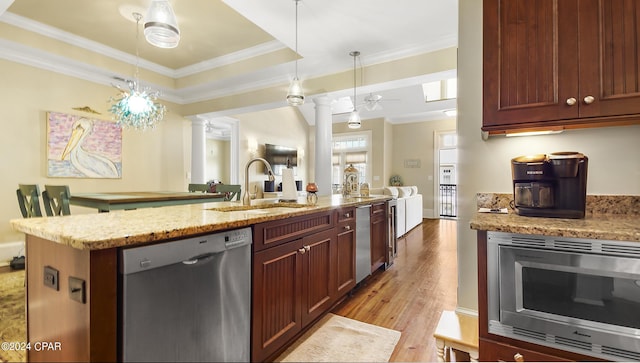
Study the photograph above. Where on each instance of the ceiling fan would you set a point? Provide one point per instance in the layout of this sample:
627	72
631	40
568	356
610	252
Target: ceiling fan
373	102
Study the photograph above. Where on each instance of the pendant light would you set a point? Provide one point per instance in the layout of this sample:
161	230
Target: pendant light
161	26
354	116
134	108
295	96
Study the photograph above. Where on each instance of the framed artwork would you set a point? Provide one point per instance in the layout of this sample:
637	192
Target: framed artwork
83	147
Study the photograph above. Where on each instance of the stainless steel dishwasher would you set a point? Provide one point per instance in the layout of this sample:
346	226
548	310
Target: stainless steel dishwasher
363	242
188	300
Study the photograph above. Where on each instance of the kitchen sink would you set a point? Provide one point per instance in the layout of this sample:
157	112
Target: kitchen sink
260	208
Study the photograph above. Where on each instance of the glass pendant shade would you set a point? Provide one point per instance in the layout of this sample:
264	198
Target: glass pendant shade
354	120
354	116
295	97
160	25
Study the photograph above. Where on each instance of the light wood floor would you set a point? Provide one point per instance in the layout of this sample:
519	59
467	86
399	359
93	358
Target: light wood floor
412	293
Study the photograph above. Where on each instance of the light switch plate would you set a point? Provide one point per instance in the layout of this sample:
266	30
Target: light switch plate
51	278
77	289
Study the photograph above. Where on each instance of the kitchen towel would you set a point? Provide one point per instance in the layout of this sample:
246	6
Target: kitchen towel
289	191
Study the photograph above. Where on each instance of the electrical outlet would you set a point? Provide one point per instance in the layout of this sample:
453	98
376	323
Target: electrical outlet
51	278
77	289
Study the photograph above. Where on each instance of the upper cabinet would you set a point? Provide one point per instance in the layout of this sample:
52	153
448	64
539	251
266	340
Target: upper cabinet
560	63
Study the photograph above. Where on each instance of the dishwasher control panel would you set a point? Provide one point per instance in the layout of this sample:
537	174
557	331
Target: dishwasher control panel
237	237
186	251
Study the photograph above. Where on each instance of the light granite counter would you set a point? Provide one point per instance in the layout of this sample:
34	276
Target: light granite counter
132	227
607	218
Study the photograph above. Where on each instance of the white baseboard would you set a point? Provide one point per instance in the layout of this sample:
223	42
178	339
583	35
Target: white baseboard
428	213
466	311
8	250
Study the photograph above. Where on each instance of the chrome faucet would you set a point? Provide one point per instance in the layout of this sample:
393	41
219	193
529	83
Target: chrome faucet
246	197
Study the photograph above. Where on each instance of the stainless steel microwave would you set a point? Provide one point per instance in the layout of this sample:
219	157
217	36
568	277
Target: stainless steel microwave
573	294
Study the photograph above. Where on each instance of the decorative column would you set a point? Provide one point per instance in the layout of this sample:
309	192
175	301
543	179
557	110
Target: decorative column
198	151
323	145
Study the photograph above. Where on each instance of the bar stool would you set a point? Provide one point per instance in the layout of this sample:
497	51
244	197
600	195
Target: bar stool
457	331
56	200
231	191
29	200
204	188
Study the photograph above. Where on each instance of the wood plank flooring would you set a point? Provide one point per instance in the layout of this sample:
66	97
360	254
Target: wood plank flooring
412	293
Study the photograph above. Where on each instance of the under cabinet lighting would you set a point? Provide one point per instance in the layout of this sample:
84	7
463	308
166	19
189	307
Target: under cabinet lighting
532	133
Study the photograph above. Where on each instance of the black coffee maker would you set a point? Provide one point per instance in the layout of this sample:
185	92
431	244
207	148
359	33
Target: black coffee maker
553	185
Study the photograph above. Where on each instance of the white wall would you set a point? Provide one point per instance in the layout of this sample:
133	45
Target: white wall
484	166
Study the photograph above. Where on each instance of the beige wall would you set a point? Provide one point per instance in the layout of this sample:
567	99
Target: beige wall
484	166
218	160
377	128
416	141
151	160
284	126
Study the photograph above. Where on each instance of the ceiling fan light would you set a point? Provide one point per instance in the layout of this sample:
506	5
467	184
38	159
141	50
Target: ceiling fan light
161	26
295	96
354	120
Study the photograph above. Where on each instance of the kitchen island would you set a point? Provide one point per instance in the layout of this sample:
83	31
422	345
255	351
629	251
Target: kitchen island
73	277
554	289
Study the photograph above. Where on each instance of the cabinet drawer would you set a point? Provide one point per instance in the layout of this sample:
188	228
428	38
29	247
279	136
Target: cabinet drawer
498	352
346	214
378	209
274	233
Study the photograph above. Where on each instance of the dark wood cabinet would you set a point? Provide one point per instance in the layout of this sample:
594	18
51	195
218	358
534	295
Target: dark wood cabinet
307	266
560	64
346	249
379	244
498	352
277	287
319	286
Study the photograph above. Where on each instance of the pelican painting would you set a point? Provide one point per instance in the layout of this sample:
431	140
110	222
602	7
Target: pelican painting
85	147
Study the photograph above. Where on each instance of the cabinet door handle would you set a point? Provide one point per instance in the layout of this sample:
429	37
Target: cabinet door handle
347	227
307	248
347	215
518	357
302	251
589	100
571	101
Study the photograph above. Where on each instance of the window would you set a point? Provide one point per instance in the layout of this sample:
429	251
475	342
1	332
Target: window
440	90
351	148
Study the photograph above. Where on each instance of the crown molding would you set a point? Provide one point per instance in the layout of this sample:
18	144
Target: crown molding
80	42
4	5
255	51
19	53
72	39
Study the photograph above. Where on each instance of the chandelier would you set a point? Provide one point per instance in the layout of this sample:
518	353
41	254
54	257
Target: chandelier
135	108
295	96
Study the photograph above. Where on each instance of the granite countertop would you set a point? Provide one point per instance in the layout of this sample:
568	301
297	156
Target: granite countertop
607	218
131	227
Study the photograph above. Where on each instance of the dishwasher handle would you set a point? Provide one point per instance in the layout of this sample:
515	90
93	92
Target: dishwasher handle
200	258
